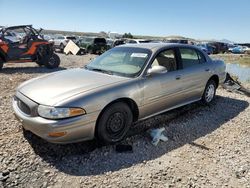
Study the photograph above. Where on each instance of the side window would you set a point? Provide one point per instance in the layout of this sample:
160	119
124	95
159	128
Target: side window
189	57
166	59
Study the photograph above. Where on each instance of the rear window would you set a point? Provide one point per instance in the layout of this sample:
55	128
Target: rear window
100	40
144	41
71	38
131	41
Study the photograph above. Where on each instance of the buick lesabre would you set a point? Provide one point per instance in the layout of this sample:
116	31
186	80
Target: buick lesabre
124	85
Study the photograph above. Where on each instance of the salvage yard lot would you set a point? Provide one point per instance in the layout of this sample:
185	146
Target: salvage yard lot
208	146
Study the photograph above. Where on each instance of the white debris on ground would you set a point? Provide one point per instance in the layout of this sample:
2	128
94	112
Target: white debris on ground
157	136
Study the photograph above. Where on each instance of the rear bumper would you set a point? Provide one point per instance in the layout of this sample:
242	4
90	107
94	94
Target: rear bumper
77	129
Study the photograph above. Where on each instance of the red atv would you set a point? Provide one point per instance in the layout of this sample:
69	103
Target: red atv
32	47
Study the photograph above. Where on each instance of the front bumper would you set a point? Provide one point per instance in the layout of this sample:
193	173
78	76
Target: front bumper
77	129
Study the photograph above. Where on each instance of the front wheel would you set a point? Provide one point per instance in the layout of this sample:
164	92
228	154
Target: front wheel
114	123
209	92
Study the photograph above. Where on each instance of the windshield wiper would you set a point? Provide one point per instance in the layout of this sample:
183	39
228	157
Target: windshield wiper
101	70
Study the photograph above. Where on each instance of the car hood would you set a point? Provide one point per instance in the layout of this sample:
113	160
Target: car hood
53	88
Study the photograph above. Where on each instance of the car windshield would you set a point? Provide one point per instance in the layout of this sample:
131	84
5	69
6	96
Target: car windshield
125	61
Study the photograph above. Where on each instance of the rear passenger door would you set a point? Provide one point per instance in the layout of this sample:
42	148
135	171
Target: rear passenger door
194	73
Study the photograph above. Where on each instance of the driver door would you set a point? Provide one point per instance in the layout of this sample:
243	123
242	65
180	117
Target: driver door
162	90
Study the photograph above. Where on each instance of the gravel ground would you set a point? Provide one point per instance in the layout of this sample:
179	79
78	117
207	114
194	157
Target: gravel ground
208	146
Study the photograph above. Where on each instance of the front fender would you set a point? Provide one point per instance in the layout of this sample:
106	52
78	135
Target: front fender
97	99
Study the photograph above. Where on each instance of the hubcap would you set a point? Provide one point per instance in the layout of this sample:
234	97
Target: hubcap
209	95
116	124
51	61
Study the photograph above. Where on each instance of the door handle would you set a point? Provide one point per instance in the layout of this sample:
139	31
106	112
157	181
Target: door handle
207	70
178	77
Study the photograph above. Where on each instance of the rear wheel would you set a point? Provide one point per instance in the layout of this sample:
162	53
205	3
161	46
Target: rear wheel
53	62
114	123
209	92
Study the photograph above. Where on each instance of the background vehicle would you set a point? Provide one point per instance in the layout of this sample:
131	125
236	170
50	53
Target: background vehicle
110	43
126	84
61	41
219	47
137	41
31	48
93	45
239	49
118	42
179	41
206	48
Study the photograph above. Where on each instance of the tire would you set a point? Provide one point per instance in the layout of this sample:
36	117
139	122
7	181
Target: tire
114	123
209	92
53	62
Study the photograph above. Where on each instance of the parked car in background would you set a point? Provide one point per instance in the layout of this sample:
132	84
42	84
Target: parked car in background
124	85
93	45
110	43
219	47
239	49
179	41
206	48
119	42
61	41
137	41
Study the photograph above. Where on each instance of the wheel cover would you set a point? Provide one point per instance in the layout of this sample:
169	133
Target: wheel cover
209	95
52	61
116	124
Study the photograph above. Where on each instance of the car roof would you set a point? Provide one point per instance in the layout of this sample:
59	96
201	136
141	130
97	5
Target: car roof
157	46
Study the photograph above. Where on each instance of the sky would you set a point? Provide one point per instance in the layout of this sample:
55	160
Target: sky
199	19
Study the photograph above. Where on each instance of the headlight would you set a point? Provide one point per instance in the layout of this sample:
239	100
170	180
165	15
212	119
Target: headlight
50	112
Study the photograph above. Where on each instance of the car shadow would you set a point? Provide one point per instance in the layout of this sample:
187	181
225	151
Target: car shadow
29	70
183	126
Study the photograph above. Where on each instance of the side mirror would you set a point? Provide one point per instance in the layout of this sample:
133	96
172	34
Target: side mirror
156	70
